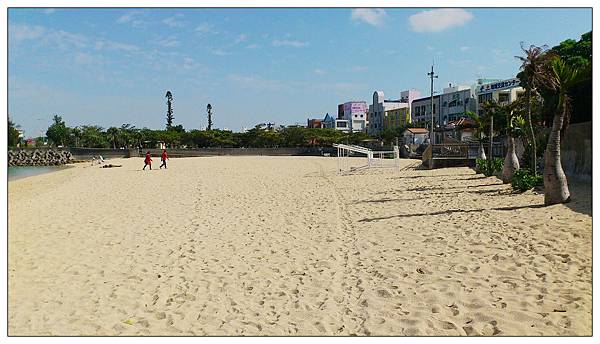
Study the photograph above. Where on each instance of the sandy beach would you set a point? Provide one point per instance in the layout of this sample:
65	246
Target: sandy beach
285	246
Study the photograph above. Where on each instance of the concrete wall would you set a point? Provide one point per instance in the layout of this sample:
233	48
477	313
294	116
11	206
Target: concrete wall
88	153
576	151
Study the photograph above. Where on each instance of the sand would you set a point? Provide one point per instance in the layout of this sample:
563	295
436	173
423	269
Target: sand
284	246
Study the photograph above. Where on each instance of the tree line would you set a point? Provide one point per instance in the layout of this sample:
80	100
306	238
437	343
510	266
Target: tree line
127	136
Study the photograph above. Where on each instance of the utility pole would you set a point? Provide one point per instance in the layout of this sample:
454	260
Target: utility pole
432	76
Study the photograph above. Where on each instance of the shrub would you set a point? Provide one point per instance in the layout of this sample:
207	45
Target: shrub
489	167
524	180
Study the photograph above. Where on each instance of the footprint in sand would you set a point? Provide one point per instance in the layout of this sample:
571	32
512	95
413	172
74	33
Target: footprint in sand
384	293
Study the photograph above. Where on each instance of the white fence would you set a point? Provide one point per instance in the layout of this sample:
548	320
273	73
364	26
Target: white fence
379	159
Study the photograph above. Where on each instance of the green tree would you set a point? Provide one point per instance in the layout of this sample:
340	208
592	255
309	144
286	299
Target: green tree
75	134
13	134
58	133
209	113
170	116
480	132
112	134
532	70
560	79
92	136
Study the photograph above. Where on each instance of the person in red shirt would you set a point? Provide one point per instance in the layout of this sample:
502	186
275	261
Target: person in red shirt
164	158
147	161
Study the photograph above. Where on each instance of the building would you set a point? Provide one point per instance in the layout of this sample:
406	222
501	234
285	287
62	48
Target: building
415	136
315	123
421	109
503	92
328	121
396	118
352	116
455	102
460	130
381	106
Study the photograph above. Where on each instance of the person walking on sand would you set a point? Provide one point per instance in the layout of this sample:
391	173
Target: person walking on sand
163	158
147	161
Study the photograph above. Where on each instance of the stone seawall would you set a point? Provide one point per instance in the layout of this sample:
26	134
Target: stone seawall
39	157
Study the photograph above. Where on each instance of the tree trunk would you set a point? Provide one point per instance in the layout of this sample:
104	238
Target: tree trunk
511	163
556	189
481	151
491	137
531	135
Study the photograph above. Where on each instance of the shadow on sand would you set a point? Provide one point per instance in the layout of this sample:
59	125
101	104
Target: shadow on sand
445	175
451	211
451	187
581	197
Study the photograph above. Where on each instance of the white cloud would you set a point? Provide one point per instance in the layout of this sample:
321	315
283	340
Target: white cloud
371	16
463	49
82	58
132	19
59	38
289	43
189	63
439	20
360	68
319	71
173	21
168	42
205	28
219	52
253	46
23	32
255	82
241	38
112	45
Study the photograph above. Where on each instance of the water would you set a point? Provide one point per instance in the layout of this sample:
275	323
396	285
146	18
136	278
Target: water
18	172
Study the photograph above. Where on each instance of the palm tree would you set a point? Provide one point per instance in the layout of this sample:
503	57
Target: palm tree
480	134
533	65
490	108
113	135
511	162
559	78
76	132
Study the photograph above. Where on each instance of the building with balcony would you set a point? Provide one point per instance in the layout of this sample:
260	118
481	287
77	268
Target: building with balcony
455	102
421	109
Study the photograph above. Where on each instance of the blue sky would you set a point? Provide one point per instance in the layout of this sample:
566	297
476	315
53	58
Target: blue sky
114	66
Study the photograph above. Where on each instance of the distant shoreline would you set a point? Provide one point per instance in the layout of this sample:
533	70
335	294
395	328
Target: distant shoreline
21	172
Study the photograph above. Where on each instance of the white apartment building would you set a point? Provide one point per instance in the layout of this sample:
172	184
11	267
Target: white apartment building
503	92
377	110
455	102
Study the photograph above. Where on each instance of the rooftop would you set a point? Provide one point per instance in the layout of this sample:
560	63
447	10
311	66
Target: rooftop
418	130
425	98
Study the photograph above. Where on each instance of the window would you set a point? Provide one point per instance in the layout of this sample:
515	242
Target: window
361	116
433	108
503	97
341	124
446	104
